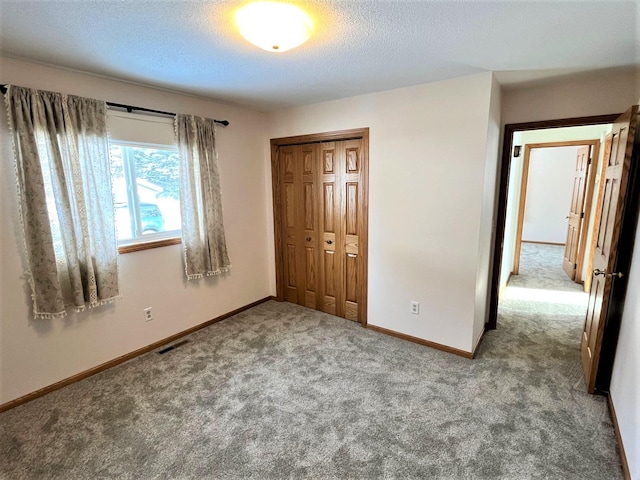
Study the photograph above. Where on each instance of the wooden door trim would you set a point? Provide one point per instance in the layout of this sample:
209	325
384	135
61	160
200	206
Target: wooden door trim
277	221
335	136
363	227
588	212
501	207
590	181
523	203
339	135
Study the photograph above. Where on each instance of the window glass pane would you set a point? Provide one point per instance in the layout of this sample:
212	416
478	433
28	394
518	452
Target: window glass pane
146	191
120	199
157	181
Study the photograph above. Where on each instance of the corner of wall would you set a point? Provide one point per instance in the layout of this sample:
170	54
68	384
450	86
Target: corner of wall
486	234
625	378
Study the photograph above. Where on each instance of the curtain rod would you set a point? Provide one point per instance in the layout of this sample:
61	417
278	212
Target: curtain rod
131	108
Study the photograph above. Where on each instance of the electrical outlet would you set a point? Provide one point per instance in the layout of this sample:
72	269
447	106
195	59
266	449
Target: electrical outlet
415	308
148	315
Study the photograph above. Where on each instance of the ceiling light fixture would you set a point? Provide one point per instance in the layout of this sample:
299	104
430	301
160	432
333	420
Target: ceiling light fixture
274	26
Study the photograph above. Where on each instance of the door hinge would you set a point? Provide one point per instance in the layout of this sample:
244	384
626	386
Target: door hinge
582	215
575	266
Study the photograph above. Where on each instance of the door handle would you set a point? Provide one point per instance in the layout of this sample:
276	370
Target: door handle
597	272
329	242
308	239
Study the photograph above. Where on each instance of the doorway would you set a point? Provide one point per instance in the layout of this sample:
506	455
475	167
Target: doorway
556	195
624	127
550	196
320	204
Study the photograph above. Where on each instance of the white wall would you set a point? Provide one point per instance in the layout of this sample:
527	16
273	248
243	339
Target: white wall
428	150
511	216
573	96
625	382
549	192
34	354
488	213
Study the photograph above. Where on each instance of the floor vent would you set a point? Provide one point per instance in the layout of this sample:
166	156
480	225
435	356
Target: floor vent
172	347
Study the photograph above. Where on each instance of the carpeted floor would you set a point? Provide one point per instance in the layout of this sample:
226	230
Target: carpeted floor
284	392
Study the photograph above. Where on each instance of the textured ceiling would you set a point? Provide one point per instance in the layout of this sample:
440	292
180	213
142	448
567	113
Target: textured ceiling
359	46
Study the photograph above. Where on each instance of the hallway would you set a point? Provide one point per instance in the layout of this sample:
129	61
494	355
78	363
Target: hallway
540	321
543	288
543	307
541	268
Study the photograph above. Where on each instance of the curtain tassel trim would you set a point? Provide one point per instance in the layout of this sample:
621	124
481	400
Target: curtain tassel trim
197	276
80	309
98	303
49	316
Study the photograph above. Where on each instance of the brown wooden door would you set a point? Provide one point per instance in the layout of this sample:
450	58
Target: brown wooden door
616	179
323	202
576	212
298	167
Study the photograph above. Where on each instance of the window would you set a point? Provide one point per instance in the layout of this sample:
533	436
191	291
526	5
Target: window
146	180
146	192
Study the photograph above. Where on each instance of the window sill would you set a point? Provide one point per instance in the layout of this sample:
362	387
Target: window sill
136	247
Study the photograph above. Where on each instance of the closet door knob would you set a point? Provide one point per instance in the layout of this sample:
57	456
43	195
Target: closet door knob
329	241
308	239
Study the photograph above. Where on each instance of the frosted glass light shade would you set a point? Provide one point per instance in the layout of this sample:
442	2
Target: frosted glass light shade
273	26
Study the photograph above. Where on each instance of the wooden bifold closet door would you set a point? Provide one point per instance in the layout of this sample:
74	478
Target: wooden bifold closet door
321	221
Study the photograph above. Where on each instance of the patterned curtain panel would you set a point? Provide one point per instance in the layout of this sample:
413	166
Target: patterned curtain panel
203	240
64	186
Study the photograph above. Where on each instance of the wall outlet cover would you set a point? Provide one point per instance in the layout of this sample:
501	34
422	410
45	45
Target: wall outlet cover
415	308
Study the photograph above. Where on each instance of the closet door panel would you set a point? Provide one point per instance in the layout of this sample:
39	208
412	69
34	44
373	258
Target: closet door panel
308	155
350	152
290	224
331	293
